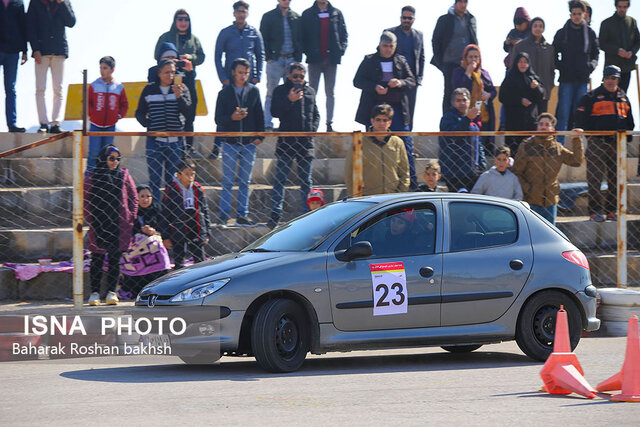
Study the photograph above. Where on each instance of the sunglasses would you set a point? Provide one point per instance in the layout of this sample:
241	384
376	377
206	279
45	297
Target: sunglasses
297	76
407	18
183	19
113	158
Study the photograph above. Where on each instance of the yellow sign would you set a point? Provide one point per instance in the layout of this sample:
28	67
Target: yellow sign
73	110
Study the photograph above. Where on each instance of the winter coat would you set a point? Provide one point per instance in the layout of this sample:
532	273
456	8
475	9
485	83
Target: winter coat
459	156
147	216
226	106
185	45
496	184
418	51
385	166
443	33
460	79
175	222
107	103
272	30
537	164
616	33
13	27
46	22
369	75
100	234
310	35
239	43
162	113
516	86
604	110
299	116
574	63
541	59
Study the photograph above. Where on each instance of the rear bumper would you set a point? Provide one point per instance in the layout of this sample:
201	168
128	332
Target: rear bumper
590	322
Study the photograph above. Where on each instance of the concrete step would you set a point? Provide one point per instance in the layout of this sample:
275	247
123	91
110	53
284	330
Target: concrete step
603	267
598	236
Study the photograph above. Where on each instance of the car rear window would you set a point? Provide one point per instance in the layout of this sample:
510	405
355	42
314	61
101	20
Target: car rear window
479	225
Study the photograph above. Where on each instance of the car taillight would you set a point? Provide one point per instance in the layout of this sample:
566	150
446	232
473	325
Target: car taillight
577	258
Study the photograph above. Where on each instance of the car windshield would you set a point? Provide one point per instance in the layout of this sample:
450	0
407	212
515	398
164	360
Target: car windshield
307	231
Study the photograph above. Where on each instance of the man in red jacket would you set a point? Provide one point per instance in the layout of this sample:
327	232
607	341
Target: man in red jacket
107	104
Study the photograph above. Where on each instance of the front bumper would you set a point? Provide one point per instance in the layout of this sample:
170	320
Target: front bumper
208	328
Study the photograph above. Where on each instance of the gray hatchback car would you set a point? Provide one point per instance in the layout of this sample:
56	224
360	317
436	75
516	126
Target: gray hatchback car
387	271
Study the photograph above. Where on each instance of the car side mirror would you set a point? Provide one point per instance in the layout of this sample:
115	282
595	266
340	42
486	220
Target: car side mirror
358	250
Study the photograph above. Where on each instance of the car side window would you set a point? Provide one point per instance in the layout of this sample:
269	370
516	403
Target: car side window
479	225
398	232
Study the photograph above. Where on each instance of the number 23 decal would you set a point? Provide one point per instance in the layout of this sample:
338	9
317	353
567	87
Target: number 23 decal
398	299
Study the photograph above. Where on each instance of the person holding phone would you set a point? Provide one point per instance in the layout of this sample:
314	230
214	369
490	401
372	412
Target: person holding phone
294	103
386	78
520	92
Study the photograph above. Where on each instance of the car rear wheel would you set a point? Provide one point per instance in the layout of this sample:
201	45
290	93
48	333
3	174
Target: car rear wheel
202	358
461	348
537	323
279	336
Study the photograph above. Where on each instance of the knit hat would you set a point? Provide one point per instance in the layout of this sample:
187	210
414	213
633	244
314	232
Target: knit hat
521	16
315	195
166	49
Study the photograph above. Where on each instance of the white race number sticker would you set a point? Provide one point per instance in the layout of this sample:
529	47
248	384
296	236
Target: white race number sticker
390	292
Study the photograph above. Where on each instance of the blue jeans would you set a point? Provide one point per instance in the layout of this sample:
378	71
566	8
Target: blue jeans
162	154
243	156
547	212
569	95
283	167
9	64
276	70
97	143
397	124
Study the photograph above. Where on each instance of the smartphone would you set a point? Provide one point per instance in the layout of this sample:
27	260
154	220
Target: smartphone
244	109
478	104
297	86
177	79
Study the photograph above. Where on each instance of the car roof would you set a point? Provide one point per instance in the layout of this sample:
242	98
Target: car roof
417	196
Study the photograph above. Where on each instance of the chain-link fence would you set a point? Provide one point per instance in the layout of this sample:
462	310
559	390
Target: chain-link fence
244	190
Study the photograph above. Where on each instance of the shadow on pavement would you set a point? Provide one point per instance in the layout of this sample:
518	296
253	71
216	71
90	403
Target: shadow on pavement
249	370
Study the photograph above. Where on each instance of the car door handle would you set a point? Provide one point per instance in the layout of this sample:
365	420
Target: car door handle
426	272
516	264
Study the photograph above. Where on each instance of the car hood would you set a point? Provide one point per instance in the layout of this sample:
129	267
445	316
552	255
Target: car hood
222	267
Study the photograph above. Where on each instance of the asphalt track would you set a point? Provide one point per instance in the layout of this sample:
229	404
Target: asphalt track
496	385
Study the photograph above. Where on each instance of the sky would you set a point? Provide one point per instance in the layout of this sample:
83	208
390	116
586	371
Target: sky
128	31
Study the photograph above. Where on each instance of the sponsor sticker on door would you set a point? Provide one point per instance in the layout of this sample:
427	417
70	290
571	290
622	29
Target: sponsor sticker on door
390	292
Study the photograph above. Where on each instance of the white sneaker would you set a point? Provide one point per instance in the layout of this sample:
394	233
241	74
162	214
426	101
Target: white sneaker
112	298
94	298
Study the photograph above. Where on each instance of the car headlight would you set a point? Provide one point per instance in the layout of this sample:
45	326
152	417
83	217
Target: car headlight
200	291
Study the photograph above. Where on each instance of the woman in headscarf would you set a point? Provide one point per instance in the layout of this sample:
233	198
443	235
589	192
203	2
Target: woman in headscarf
110	207
520	93
477	80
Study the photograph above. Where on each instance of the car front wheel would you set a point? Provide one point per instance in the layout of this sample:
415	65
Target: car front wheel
280	336
536	326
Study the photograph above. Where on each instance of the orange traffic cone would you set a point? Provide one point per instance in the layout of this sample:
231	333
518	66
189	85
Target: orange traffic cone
562	373
628	379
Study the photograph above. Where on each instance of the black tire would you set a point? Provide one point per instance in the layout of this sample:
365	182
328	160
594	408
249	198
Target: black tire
202	358
280	336
461	348
537	322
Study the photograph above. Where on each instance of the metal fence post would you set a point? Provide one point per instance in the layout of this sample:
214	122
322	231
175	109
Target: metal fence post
78	221
358	170
622	210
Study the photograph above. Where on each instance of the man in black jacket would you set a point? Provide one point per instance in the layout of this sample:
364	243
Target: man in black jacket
324	41
46	22
238	109
385	78
577	50
605	108
411	46
454	31
281	36
13	40
294	103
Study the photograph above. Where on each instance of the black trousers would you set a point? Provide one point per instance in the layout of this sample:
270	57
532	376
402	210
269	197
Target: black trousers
113	273
602	155
625	78
195	249
456	183
447	71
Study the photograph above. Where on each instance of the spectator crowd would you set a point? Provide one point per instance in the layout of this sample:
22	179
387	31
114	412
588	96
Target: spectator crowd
171	212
